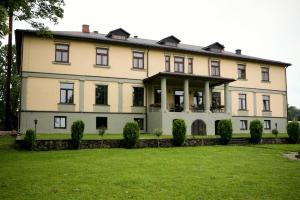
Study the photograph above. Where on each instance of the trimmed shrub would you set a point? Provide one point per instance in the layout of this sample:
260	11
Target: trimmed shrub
275	132
293	130
224	129
158	132
77	129
29	139
131	134
256	129
179	132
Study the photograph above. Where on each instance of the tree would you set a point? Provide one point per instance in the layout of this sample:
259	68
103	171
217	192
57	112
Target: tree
29	11
15	85
293	113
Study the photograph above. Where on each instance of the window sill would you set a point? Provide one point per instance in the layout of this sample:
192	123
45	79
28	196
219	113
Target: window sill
138	106
266	81
243	129
102	66
138	69
242	79
104	105
243	110
179	72
66	104
59	128
61	63
268	111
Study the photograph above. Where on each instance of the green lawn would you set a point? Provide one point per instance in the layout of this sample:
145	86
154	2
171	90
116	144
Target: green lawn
142	136
211	172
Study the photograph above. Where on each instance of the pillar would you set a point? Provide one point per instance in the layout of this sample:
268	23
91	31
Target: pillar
186	96
206	97
163	86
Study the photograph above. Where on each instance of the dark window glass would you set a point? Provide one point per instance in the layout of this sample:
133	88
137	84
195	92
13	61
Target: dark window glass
190	65
101	94
62	53
266	103
167	63
243	125
138	60
101	122
265	74
157	96
102	56
119	37
267	124
215	68
140	122
66	92
60	122
241	71
216	99
242	102
179	64
138	96
198	99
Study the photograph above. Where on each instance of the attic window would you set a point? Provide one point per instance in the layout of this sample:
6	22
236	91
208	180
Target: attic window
171	44
118	37
169	41
215	47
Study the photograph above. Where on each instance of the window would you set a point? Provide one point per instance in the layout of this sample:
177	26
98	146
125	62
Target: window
265	74
267	124
102	56
157	96
101	95
118	37
241	71
60	122
215	68
167	63
140	122
138	96
62	53
242	102
138	60
243	125
179	64
66	92
266	103
101	122
216	99
198	99
190	65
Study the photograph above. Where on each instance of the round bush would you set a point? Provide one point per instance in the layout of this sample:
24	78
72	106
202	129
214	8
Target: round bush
131	134
293	130
256	129
77	129
29	139
275	132
224	129
179	132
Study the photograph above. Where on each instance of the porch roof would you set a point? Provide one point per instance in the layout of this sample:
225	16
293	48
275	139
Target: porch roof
213	81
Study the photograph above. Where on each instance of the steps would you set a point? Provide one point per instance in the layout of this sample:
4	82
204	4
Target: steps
239	141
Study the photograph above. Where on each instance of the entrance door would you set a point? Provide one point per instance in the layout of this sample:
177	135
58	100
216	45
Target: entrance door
198	127
178	100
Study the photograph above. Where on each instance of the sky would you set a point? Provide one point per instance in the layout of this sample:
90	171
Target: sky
263	28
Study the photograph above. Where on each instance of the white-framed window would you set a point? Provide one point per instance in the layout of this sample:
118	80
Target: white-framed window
267	124
60	122
243	124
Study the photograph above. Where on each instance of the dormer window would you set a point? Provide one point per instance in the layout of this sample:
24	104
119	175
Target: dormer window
118	34
169	41
215	47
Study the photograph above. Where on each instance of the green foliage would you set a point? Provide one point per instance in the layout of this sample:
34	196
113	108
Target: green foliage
131	134
77	130
293	113
101	131
158	132
275	132
256	129
179	132
30	12
224	129
29	139
293	131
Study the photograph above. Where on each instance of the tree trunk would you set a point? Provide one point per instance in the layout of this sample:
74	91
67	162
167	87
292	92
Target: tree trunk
8	122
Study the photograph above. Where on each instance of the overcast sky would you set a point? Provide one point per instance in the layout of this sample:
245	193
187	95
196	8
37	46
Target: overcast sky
263	28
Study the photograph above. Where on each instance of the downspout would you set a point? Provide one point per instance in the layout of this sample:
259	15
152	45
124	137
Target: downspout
21	73
146	86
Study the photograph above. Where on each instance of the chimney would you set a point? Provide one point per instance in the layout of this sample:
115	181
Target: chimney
135	36
85	28
238	51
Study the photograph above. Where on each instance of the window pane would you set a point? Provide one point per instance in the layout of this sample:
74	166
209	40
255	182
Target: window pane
66	85
104	60
64	57
56	122
138	54
102	51
62	47
140	65
135	63
101	122
70	96
62	122
138	96
57	56
63	96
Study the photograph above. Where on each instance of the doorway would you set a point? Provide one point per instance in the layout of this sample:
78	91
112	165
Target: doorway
198	127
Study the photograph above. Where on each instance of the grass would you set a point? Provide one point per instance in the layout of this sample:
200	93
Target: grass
211	172
142	136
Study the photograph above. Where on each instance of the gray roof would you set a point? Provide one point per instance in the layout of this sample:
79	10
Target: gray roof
148	44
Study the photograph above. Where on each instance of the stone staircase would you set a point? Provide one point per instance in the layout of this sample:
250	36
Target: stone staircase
239	141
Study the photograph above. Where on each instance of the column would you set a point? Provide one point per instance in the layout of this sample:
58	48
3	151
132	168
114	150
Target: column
120	96
226	98
81	95
186	96
206	97
163	86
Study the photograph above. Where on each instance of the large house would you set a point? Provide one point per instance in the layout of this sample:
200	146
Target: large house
109	79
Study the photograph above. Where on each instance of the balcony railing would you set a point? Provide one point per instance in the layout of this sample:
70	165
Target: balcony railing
180	108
